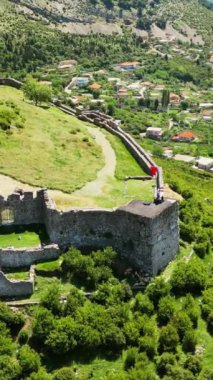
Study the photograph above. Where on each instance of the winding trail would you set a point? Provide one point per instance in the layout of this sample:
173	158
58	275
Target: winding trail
93	188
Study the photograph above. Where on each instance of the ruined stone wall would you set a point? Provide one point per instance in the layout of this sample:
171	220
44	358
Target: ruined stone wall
12	288
147	235
14	258
26	208
10	82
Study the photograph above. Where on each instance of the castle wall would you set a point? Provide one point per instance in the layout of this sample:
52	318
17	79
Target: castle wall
10	82
26	208
14	258
146	235
12	288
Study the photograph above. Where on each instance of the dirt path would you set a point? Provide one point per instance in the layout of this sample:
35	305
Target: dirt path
93	188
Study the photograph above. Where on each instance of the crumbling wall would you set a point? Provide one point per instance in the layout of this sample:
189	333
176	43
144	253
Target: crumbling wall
11	82
26	208
12	288
146	234
14	258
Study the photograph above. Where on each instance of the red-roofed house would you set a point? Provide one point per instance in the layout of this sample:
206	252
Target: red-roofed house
184	137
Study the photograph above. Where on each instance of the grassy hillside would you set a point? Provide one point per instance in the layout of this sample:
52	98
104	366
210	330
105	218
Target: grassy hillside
51	150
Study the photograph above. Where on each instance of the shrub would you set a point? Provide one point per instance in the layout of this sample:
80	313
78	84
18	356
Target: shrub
194	364
182	323
131	357
165	362
189	341
23	337
143	304
166	308
156	289
168	339
29	360
189	277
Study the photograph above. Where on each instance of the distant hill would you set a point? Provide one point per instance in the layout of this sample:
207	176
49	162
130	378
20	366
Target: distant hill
109	16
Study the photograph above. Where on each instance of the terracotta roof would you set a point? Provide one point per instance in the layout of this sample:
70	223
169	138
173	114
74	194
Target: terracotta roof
95	86
184	135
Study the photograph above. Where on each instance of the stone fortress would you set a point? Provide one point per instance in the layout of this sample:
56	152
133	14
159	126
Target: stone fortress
146	234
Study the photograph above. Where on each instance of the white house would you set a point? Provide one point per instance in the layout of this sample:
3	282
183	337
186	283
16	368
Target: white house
205	163
154	133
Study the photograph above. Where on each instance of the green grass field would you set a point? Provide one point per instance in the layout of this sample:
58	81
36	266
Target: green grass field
20	240
53	150
56	151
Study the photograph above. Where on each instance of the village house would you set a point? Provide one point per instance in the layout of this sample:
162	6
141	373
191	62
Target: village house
207	115
82	81
95	86
67	64
122	92
174	99
205	163
154	133
128	66
184	137
206	105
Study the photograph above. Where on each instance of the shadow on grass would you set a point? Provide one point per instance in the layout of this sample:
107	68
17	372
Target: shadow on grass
78	357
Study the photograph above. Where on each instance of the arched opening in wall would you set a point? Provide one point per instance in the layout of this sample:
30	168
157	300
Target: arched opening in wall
7	216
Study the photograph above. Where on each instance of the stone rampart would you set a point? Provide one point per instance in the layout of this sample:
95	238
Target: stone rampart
12	288
10	82
14	258
22	208
145	234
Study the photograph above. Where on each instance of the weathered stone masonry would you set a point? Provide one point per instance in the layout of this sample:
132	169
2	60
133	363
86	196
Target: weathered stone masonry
147	235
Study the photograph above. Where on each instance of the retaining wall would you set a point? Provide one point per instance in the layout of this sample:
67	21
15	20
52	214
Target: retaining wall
11	82
14	258
12	288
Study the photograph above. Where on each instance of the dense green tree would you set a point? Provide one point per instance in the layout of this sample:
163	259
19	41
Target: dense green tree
189	276
40	375
193	363
29	360
43	323
182	323
143	304
156	289
9	368
189	341
166	308
63	338
37	92
168	338
51	300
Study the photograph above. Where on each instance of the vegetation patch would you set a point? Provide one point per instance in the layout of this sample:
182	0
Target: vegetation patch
47	153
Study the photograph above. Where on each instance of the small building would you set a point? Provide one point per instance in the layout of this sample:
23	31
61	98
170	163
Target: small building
207	115
206	105
205	163
67	64
127	66
82	81
122	93
174	99
184	158
154	133
184	137
95	86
